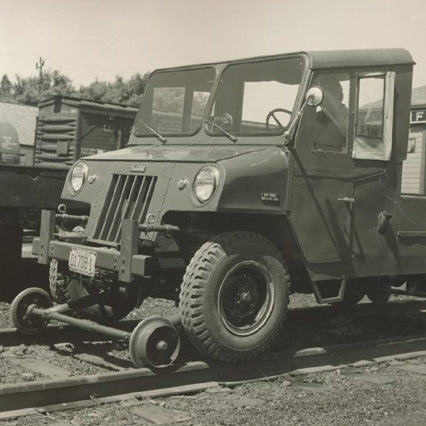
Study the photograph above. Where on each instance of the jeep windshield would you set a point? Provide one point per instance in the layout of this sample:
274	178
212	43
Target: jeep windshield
174	102
256	98
251	98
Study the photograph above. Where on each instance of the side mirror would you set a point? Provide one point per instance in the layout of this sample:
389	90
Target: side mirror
226	121
314	96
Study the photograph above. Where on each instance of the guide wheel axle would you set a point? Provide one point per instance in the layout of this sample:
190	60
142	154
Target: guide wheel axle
154	343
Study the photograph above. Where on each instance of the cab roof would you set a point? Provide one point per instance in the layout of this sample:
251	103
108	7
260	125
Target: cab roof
324	59
359	58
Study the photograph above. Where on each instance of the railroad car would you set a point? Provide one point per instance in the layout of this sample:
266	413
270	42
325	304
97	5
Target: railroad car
67	129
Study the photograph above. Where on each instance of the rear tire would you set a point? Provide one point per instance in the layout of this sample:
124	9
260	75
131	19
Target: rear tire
354	293
234	296
378	292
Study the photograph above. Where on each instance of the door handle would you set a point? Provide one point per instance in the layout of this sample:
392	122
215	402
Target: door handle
350	200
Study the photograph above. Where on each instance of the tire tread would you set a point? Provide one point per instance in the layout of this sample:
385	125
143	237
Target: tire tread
195	281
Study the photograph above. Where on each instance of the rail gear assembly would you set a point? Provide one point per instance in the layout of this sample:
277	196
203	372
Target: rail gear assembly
244	182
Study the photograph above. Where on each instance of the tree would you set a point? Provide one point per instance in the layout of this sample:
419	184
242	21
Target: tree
6	89
120	91
32	90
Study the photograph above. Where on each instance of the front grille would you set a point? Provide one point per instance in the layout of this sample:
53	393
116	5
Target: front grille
128	197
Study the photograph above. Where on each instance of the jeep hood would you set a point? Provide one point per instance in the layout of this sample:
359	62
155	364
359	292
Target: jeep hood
175	153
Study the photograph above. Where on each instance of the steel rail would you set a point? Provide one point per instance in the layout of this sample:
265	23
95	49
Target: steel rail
63	334
18	398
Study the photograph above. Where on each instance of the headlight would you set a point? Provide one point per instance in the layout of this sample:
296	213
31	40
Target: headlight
205	183
78	175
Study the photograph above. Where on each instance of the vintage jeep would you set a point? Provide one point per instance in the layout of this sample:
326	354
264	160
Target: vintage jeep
243	182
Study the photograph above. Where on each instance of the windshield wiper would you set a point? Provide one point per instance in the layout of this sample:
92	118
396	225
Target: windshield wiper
224	131
158	135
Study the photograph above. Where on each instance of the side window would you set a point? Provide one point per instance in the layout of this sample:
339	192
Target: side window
413	168
332	116
374	113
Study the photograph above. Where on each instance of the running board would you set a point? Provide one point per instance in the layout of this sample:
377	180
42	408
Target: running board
333	299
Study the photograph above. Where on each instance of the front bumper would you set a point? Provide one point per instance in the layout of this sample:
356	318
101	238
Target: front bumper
126	262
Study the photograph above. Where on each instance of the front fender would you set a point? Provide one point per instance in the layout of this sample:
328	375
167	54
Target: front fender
255	182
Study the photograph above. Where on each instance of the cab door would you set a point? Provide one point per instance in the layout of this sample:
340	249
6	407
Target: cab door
344	180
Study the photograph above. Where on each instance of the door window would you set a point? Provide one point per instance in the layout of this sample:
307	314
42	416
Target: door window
332	116
374	113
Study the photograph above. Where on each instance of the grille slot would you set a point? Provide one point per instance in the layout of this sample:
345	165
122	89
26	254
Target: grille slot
128	197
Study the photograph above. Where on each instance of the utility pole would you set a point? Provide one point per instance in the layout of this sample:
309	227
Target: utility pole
39	67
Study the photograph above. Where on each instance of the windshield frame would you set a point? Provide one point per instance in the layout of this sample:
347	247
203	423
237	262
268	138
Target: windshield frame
202	138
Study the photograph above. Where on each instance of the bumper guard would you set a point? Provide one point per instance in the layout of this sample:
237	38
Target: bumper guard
127	262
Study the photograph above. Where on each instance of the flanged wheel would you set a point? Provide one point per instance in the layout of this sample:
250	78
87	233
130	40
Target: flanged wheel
234	296
29	324
154	343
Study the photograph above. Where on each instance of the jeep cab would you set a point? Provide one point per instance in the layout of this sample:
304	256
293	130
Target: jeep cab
243	182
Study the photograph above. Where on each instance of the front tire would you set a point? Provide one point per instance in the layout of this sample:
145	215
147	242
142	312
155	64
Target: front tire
234	296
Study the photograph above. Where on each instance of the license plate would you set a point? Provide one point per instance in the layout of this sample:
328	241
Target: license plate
82	262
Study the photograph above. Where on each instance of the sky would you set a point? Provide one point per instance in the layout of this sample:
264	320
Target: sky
89	39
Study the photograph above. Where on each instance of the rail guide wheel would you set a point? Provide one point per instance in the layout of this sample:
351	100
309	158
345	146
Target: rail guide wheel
154	343
19	316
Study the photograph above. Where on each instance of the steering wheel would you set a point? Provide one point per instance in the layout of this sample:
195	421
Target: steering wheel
272	114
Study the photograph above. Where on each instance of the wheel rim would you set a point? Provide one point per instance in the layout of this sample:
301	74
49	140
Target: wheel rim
246	298
154	343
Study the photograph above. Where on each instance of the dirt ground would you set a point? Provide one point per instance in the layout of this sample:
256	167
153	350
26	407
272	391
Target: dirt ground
391	393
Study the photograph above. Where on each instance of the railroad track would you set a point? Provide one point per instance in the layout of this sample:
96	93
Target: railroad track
192	376
297	319
53	395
